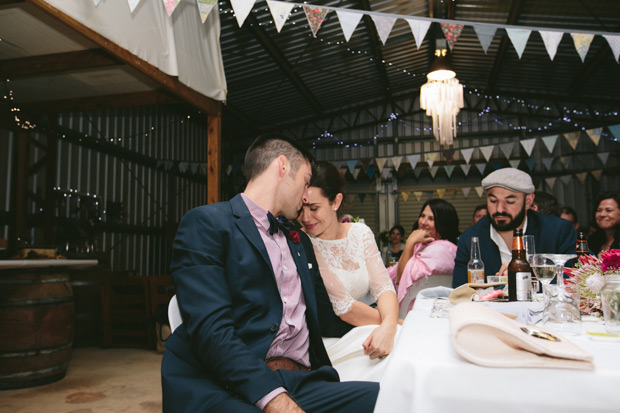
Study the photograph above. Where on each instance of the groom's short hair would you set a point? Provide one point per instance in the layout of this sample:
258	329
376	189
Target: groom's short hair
266	148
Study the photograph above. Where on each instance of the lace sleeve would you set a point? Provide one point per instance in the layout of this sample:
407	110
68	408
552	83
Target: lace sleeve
341	301
380	281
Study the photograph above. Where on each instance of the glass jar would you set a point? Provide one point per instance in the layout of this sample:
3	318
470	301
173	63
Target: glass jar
610	300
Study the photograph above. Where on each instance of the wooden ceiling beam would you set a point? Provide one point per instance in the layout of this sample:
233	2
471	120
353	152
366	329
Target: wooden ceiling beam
59	62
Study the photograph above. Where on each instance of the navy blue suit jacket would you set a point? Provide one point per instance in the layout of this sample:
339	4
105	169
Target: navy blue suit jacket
231	309
552	235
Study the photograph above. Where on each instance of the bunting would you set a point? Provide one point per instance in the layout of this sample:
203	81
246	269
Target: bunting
487	151
497	165
418	195
547	162
481	167
365	164
385	173
171	5
417	171
280	10
362	197
396	161
485	35
582	43
615	130
597	174
96	2
380	163
506	148
448	156
549	142
467	154
384	26
550	182
405	196
315	17
603	156
466	191
565	160
242	9
573	138
582	177
205	7
614	43
528	145
351	163
566	179
595	135
514	163
441	192
356	172
518	37
479	191
371	171
430	158
465	168
348	22
551	41
433	170
419	29
413	160
452	31
133	4
530	164
449	169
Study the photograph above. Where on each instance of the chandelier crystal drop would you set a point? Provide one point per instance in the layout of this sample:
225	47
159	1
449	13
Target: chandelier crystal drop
442	100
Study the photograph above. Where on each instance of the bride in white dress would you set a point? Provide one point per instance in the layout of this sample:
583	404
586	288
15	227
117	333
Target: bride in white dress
354	276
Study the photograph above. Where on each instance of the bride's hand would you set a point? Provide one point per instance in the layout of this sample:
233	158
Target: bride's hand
380	342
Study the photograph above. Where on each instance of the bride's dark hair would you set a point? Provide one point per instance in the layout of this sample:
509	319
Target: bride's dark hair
327	177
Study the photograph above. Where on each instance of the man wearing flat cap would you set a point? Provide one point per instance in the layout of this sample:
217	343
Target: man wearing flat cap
510	194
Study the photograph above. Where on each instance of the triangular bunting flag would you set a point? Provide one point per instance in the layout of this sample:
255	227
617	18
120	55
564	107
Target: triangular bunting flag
417	171
132	5
572	138
566	179
195	166
551	41
528	145
413	160
582	43
549	142
481	167
582	177
614	43
405	196
615	130
467	154
356	172
466	191
547	162
497	165
515	163
449	169
485	35
565	160
380	163
550	182
448	156
433	170
241	8
351	163
172	4
429	194
343	171
371	171
384	26
518	37
530	163
465	168
96	2
603	157
452	31
418	195
595	135
229	169
597	174
396	161
205	7
183	166
507	148
315	16
361	197
487	151
385	173
441	192
479	191
419	29
430	158
365	164
280	10
348	22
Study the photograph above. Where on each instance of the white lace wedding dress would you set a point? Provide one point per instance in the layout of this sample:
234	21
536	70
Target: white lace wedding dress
352	270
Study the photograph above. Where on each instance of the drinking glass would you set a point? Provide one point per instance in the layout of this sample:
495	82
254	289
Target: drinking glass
561	312
530	249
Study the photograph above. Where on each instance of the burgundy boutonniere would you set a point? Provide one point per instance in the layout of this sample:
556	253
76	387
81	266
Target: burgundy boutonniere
293	236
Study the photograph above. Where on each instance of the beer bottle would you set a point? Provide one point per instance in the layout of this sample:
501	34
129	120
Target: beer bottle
582	245
519	271
475	266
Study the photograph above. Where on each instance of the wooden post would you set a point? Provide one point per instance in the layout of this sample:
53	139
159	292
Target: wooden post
214	159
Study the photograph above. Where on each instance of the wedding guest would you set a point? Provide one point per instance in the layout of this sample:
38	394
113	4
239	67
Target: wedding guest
545	204
607	218
395	247
479	212
570	215
355	279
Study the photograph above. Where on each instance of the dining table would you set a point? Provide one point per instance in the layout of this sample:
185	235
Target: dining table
426	374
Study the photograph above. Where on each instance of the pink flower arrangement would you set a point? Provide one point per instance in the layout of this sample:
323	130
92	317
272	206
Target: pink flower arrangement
589	278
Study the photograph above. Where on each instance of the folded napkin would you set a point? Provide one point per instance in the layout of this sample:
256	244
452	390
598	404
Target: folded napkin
436	292
485	337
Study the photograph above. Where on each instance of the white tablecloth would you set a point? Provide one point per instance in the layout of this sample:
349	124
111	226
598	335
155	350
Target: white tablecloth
74	264
425	374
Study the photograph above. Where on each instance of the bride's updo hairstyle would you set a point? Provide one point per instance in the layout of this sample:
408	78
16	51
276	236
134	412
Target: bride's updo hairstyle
327	177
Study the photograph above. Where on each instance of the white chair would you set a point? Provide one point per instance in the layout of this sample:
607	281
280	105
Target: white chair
174	314
432	281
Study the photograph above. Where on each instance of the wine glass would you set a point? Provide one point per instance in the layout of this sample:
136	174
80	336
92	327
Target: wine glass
544	268
559	260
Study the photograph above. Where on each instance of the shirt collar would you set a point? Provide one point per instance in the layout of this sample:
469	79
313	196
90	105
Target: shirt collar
504	251
259	214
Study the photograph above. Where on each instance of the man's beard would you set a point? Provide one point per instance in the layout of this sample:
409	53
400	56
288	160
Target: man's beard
510	225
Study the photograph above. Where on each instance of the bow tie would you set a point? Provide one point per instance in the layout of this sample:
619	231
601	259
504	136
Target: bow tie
276	224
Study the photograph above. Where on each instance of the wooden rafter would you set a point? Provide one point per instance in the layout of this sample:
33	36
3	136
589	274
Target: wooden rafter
59	62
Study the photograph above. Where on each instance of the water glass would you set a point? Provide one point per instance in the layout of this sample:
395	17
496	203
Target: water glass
561	312
610	299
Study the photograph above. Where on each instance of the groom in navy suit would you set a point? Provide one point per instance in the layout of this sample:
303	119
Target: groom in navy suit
247	288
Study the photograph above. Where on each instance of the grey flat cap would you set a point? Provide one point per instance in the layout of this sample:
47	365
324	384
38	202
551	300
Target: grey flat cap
509	178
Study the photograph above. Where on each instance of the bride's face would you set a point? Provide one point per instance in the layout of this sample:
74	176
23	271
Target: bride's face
318	214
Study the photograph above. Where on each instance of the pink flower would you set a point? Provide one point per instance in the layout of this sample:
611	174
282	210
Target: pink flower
610	261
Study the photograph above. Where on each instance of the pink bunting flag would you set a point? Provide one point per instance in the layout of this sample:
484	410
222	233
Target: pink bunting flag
171	5
316	17
582	43
452	31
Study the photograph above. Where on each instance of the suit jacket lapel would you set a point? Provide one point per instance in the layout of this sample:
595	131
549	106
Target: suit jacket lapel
246	224
301	261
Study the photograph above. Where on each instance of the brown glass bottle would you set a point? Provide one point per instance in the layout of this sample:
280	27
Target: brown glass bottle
519	271
582	245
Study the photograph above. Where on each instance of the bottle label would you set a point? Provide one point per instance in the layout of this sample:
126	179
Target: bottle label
475	276
524	286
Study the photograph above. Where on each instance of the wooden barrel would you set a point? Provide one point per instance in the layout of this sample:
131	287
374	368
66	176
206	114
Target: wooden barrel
37	322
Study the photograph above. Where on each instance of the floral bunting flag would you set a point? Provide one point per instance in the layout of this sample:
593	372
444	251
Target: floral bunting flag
380	163
441	192
351	163
595	135
549	142
572	138
466	191
467	154
315	16
528	145
396	161
507	148
384	26
551	41
413	160
550	182
614	43
582	177
485	35
481	167
566	179
465	168
348	22
405	196
242	9
433	170
452	31
514	163
419	29
603	156
430	158
487	151
479	191
356	172
448	156
205	7
518	37
280	10
548	162
597	174
565	160
132	4
449	169
418	195
582	43
615	130
371	171
530	163
171	5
